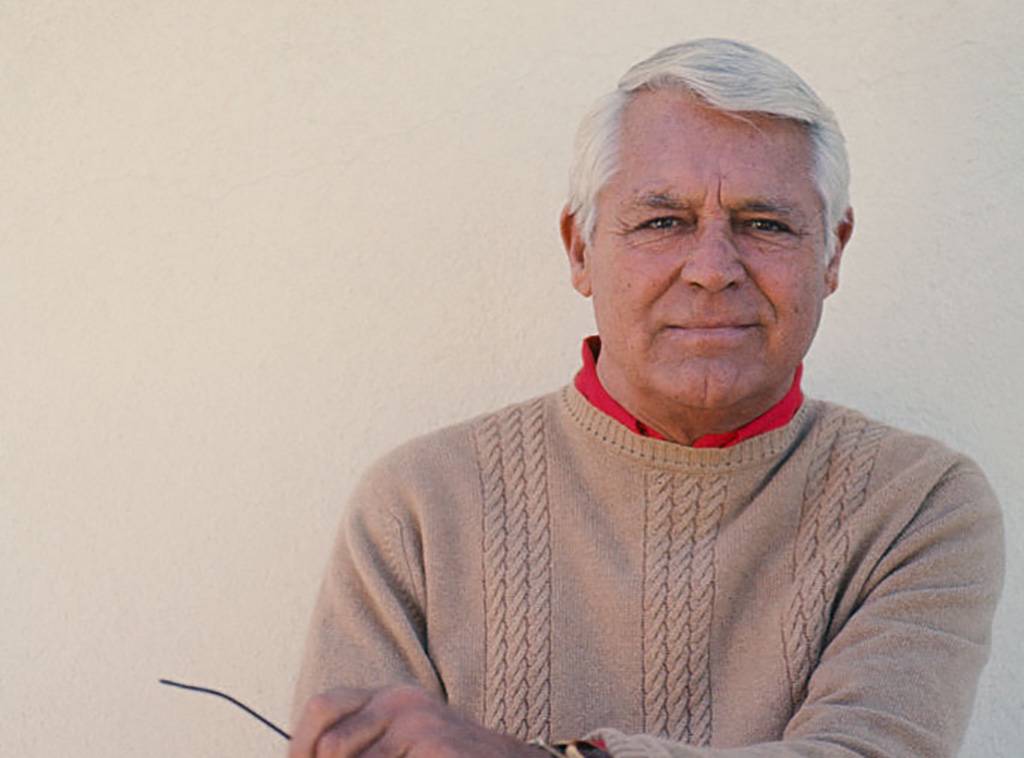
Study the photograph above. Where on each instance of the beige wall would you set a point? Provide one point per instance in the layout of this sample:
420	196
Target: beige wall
247	246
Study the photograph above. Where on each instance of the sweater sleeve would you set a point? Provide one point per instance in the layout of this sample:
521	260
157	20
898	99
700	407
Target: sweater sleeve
898	678
368	625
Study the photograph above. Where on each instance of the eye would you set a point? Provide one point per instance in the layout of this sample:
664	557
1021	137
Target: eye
661	223
766	225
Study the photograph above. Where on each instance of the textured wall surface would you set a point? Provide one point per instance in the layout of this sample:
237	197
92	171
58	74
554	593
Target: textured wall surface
245	247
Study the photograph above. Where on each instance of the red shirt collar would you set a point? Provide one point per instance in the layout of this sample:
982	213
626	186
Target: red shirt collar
589	385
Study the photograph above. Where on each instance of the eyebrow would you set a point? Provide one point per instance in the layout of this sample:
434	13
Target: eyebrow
660	201
768	205
672	202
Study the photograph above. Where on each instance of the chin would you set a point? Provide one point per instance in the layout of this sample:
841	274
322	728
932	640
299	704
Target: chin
708	384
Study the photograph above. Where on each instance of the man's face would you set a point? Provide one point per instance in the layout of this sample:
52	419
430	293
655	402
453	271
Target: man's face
707	263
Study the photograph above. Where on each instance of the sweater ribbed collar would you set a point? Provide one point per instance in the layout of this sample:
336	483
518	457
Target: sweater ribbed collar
622	441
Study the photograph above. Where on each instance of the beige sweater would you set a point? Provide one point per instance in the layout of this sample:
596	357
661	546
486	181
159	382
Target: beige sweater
823	589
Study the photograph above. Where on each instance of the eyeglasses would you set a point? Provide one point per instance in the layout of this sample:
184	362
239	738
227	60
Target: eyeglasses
230	699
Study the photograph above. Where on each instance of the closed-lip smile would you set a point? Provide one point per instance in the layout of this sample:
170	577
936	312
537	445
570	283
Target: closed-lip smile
709	326
712	332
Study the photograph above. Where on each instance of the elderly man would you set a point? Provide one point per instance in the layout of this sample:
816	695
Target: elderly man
678	554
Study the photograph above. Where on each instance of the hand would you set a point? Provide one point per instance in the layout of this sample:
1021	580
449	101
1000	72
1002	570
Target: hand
395	721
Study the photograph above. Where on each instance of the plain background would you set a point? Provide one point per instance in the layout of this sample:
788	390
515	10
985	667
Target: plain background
246	247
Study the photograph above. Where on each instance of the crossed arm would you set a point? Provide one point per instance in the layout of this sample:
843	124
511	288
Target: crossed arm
896	680
394	721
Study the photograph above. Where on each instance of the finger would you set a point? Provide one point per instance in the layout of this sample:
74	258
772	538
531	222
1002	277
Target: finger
385	747
415	718
320	714
351	736
374	730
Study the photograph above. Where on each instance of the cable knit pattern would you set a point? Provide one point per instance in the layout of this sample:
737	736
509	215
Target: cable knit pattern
680	526
845	449
516	570
681	574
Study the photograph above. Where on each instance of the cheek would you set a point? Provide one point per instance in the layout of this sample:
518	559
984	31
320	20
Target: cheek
627	288
801	318
624	308
796	302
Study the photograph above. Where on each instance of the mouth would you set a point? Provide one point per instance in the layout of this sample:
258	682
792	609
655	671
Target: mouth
712	326
712	332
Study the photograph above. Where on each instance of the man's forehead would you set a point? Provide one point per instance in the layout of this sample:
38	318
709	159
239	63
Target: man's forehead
676	106
675	124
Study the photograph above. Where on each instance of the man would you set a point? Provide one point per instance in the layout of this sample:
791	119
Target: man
678	554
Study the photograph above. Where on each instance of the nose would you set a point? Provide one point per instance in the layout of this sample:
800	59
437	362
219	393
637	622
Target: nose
713	261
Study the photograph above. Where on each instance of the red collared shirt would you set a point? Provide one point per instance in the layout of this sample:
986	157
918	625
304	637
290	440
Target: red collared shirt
589	385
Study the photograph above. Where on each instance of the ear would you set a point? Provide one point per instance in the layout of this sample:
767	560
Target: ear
578	252
843	232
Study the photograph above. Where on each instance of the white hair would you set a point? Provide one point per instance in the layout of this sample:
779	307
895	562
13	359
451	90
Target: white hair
728	76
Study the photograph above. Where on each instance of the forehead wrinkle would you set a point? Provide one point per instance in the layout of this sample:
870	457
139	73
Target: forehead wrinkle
755	203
